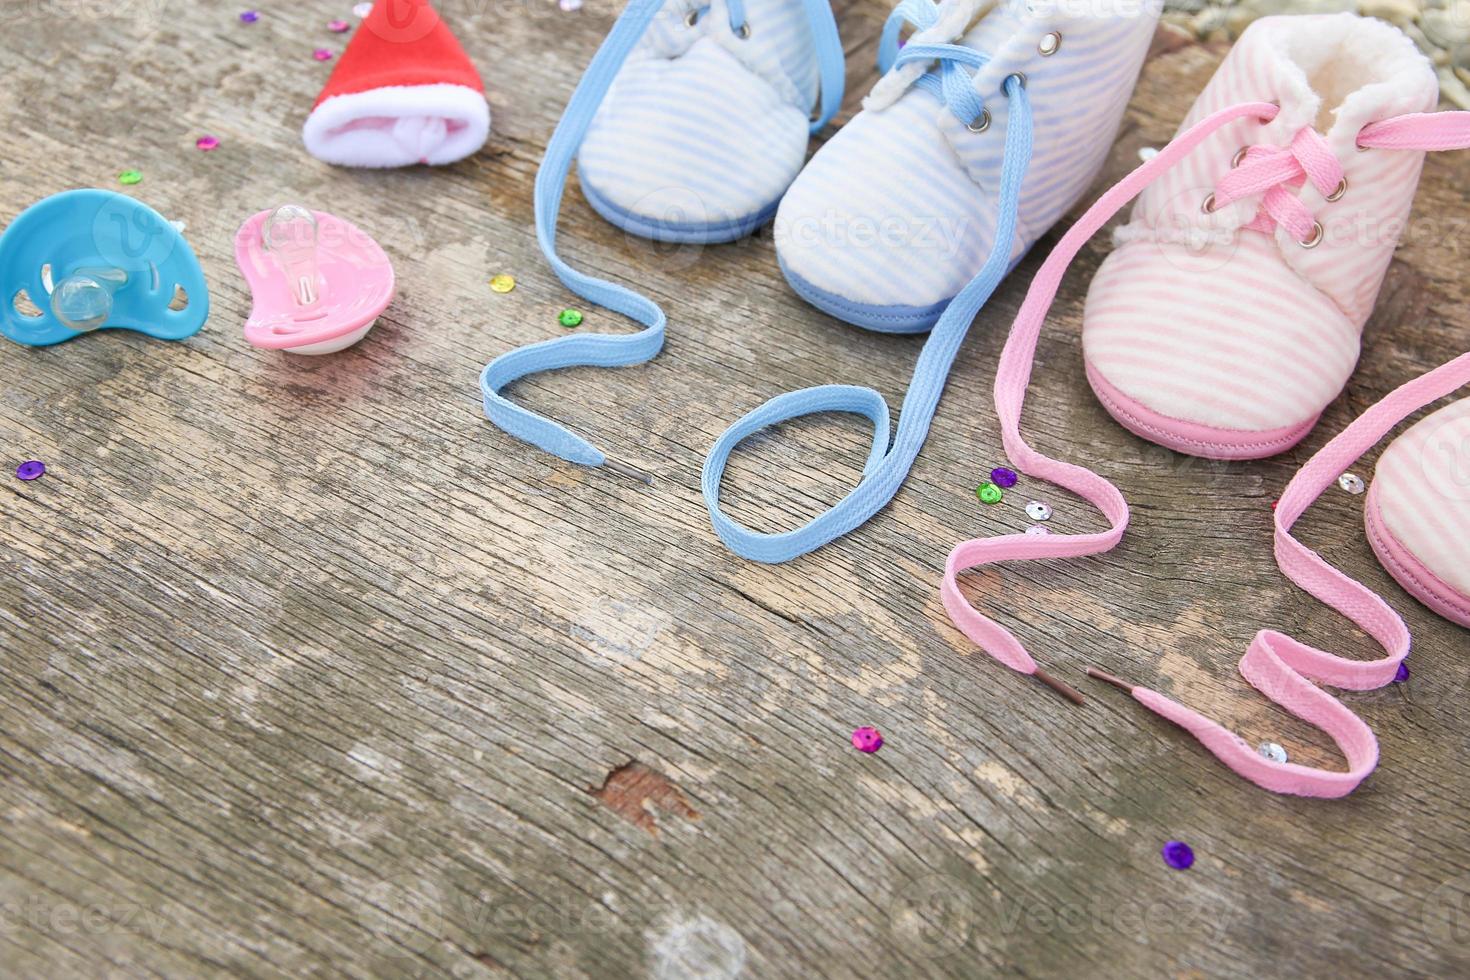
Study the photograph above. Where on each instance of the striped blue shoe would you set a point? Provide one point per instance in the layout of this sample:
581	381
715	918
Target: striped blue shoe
988	124
707	123
896	212
688	126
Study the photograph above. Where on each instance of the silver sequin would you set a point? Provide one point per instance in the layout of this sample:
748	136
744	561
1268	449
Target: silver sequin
1352	483
1272	751
1038	529
1038	511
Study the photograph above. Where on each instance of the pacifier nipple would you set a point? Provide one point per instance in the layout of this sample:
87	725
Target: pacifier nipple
420	135
83	301
290	234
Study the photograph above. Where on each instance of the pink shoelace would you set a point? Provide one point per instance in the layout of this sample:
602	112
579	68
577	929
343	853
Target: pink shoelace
1280	667
1275	172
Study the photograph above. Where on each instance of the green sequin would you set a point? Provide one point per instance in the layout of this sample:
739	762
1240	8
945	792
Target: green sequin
989	493
570	318
130	176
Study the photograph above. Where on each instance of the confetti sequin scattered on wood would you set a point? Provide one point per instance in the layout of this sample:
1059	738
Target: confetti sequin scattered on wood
1178	855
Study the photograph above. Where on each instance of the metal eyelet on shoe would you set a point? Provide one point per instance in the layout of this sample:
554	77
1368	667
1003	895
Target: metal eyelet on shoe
1019	76
1208	207
1239	157
980	123
691	18
1337	194
744	32
1316	238
1050	44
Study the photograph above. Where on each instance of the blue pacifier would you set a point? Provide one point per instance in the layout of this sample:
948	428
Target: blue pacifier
89	259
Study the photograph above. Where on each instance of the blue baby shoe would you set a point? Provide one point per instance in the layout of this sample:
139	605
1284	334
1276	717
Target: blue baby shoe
688	125
989	123
706	123
897	212
87	260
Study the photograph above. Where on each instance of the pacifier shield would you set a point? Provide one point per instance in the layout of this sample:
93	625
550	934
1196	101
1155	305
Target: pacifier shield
317	282
132	257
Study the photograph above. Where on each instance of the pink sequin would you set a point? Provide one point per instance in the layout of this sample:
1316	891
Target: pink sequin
322	54
207	142
338	26
867	739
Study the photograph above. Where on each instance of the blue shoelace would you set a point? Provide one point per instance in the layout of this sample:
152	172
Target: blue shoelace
612	350
887	468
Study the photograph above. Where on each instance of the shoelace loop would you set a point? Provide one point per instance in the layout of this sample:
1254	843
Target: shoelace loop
888	465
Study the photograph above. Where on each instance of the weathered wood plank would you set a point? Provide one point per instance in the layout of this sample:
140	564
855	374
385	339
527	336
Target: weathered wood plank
307	670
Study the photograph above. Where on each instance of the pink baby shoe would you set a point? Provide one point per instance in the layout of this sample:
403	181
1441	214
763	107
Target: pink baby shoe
1269	278
1418	511
1230	313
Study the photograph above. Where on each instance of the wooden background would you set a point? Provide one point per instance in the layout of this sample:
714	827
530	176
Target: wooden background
308	670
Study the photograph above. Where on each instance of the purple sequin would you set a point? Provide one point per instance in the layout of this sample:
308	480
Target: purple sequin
1402	675
250	16
1003	477
1178	854
30	469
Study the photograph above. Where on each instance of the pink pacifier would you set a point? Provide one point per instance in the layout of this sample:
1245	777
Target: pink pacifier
317	283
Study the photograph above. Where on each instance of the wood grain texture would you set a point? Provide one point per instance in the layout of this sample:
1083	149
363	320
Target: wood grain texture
307	670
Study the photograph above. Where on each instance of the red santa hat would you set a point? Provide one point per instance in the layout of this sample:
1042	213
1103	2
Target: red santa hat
404	92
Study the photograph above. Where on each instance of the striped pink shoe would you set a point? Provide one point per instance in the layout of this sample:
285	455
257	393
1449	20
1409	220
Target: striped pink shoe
1230	314
1418	511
